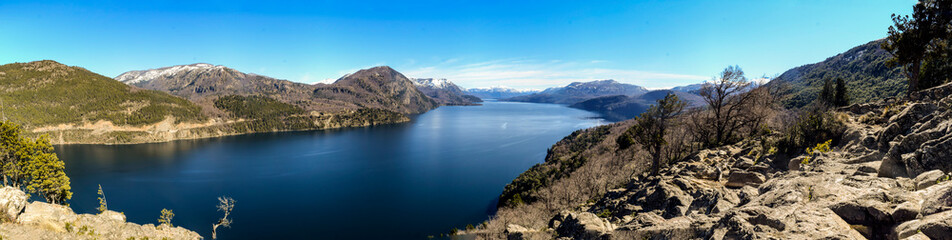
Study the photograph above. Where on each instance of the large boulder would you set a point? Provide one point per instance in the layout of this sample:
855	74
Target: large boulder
48	215
583	225
12	202
929	178
740	178
935	226
937	198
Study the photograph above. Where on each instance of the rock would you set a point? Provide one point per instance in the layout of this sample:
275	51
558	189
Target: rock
584	225
863	211
892	166
935	226
906	211
913	114
929	178
12	202
50	221
40	213
514	232
740	178
937	198
113	215
918	236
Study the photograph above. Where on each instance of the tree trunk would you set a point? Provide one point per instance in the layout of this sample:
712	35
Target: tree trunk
914	77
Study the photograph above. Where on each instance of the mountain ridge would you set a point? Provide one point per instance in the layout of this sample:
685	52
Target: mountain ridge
580	91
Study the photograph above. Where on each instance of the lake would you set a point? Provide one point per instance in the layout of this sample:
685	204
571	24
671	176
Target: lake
443	170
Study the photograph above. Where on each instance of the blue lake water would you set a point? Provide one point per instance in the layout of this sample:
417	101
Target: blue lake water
442	170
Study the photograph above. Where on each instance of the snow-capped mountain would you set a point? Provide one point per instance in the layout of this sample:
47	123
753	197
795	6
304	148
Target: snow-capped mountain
444	91
581	91
440	83
498	92
133	77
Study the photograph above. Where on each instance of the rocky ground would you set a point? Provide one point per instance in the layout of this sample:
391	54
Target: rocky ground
887	179
37	220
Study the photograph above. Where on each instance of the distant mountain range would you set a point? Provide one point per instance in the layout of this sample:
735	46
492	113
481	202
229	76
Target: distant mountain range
581	91
622	107
498	92
445	92
693	88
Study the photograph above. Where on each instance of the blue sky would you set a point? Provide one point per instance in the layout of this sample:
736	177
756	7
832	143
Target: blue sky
521	44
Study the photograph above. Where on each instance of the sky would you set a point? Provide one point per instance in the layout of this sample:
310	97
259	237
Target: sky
519	44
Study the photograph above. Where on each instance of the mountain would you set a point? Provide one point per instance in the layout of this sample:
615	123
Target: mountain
693	88
378	87
498	92
444	91
581	91
47	94
74	105
621	107
867	75
202	83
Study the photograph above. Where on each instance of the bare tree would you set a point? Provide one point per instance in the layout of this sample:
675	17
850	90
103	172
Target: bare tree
225	204
725	97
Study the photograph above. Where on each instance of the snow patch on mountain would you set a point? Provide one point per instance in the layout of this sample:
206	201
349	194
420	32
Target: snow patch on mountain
133	77
438	83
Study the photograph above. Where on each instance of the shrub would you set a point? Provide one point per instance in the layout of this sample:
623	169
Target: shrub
811	128
166	217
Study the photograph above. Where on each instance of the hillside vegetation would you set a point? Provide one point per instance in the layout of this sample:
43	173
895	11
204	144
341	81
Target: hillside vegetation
47	93
865	69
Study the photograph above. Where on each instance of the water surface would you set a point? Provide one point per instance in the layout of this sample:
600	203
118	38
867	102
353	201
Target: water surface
442	170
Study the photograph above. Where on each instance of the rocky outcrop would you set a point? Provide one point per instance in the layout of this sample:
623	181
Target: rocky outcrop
12	202
584	225
887	179
38	220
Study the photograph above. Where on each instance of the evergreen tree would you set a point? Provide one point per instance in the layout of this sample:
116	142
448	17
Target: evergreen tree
840	97
31	163
920	43
826	94
46	172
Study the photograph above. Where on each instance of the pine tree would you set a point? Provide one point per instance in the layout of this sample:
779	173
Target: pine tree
840	97
31	163
826	94
46	172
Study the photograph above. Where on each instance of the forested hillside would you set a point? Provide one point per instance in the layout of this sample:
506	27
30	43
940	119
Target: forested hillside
46	93
865	70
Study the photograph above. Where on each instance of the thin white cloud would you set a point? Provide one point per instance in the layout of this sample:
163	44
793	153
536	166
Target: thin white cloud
533	74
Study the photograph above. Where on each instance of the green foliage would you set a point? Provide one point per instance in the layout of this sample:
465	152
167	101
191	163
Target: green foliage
166	217
605	213
102	200
813	151
256	107
68	226
264	114
810	128
840	95
865	71
31	163
470	227
920	44
47	93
